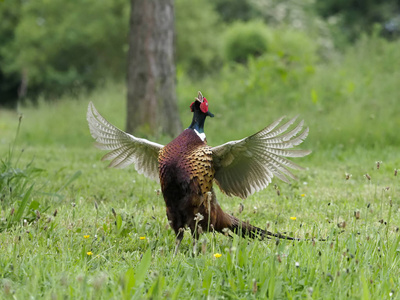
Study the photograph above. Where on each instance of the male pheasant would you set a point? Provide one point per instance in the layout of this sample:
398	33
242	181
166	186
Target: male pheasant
187	167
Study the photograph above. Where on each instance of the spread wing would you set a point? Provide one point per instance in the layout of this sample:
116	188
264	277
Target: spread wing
246	166
124	148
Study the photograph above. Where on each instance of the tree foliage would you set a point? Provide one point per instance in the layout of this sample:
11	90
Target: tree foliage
64	45
49	47
236	10
355	16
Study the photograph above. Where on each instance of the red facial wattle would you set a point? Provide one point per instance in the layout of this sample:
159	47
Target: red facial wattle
203	106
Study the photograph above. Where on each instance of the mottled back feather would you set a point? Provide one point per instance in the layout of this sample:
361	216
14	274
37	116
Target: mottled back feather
189	159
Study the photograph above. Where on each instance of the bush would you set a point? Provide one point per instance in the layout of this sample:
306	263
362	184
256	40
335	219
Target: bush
291	57
295	45
299	16
245	39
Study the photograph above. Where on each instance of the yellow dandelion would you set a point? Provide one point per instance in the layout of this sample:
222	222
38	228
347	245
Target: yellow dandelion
303	195
86	236
89	253
217	255
142	238
293	218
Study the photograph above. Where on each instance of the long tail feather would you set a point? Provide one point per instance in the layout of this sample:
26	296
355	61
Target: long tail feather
245	229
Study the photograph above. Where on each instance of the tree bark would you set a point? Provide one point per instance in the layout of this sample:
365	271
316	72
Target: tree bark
152	106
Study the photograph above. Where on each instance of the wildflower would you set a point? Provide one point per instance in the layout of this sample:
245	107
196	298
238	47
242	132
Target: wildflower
217	255
142	238
293	218
303	195
89	253
198	217
297	264
86	236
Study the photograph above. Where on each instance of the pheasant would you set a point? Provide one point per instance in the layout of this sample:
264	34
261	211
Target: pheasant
187	168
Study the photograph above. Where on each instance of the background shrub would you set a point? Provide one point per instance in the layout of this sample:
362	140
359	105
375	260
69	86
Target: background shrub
245	39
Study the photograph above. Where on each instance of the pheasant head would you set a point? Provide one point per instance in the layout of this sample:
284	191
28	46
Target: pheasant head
200	111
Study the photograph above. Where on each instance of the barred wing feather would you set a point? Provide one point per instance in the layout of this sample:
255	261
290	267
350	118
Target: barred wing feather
246	166
125	149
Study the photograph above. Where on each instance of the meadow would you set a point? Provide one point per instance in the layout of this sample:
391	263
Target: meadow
71	228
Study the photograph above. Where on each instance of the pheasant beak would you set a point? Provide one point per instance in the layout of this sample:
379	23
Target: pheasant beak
209	114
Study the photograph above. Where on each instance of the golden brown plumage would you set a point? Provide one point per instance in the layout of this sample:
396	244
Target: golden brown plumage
187	167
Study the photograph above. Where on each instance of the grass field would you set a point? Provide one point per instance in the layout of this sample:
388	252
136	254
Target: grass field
73	228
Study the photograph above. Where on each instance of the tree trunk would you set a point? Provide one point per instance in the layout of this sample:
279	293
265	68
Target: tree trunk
151	106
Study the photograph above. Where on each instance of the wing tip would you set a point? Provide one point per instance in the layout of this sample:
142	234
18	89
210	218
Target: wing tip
90	110
306	152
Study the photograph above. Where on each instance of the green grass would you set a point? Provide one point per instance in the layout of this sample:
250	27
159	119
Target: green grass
48	257
75	206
